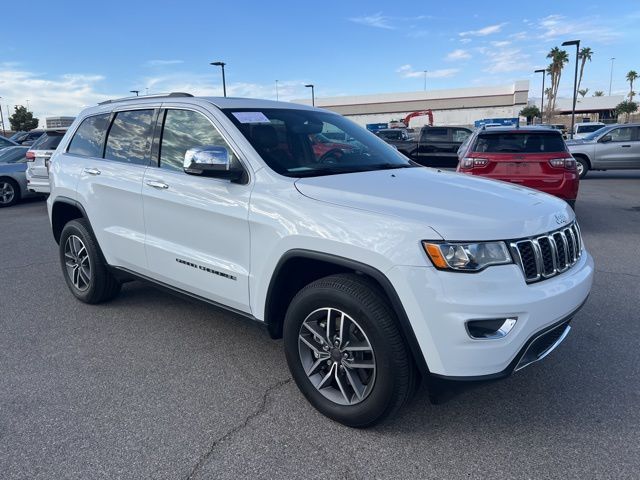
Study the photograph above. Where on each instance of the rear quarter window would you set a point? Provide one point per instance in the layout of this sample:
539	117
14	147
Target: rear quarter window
525	142
89	138
48	141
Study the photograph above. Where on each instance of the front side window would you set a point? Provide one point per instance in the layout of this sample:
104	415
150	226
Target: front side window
587	128
284	138
88	140
185	129
623	134
129	139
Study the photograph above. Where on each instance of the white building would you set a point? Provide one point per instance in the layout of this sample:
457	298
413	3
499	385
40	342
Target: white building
58	122
460	106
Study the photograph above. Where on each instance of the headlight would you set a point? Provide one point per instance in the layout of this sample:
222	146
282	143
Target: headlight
467	257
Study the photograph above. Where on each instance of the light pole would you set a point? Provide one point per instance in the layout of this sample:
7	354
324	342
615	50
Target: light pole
425	79
313	94
611	75
544	74
4	133
28	107
224	82
135	91
575	81
277	97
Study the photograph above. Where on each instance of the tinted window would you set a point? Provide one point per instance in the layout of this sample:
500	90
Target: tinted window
184	129
459	135
130	137
434	135
5	143
520	143
623	134
587	128
88	139
48	141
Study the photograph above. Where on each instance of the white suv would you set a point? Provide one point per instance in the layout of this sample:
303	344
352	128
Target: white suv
377	272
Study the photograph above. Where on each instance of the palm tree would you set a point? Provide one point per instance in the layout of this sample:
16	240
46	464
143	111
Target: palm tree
598	93
583	92
584	55
631	77
559	59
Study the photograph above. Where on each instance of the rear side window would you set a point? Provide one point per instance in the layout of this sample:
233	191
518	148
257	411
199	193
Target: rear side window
588	128
185	129
459	135
434	135
48	141
129	139
520	143
88	140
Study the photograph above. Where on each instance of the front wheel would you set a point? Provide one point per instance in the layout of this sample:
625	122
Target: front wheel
345	352
583	167
9	192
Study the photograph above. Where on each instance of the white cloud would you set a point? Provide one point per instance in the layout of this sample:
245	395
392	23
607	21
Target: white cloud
407	71
502	43
559	26
503	60
162	63
458	54
465	40
63	95
483	32
377	20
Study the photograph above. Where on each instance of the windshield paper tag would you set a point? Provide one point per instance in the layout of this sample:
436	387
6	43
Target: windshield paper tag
251	117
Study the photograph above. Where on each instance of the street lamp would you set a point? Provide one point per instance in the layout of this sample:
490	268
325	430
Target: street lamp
575	81
425	79
277	97
4	134
313	95
224	83
135	91
611	76
544	73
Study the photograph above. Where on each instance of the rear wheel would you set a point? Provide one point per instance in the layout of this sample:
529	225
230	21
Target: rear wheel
83	266
345	351
9	192
583	166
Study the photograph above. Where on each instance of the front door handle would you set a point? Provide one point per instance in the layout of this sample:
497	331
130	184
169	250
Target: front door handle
92	171
625	146
157	184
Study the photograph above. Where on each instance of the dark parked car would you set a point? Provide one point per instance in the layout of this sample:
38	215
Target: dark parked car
26	138
6	142
394	134
433	146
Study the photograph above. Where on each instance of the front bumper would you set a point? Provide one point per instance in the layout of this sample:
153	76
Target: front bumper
439	304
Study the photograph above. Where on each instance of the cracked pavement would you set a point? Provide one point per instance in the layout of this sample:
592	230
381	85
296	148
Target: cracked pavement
155	386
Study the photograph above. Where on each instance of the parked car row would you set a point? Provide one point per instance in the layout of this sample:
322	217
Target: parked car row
13	181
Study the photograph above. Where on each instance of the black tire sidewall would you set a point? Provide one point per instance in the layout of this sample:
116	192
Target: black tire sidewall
380	399
78	229
585	167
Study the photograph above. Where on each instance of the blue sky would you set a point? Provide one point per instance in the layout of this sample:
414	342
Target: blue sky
69	54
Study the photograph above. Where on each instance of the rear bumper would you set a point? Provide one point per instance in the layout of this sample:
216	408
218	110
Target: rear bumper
566	189
38	185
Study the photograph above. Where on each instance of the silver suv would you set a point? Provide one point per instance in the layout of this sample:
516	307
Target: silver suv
615	147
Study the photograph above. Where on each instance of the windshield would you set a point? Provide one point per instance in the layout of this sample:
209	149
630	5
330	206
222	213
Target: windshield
512	142
587	128
48	141
596	134
290	142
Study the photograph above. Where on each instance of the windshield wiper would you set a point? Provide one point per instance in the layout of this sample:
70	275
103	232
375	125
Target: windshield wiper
389	166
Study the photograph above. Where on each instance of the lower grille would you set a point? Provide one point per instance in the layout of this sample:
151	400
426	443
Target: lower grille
544	344
548	255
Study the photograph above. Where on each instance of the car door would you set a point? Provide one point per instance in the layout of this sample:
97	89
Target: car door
197	230
618	151
110	184
634	160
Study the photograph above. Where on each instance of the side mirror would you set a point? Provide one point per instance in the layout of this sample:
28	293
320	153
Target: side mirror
605	139
212	161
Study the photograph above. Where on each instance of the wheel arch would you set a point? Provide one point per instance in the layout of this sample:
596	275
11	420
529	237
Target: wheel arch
64	210
297	268
584	156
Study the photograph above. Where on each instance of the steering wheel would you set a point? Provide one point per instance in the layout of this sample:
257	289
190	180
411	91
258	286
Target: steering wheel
331	157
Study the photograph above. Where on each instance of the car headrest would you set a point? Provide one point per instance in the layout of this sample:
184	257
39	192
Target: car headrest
265	136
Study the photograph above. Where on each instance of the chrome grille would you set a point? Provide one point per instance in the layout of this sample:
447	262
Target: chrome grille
548	255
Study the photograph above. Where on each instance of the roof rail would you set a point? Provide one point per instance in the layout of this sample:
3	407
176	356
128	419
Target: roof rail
155	95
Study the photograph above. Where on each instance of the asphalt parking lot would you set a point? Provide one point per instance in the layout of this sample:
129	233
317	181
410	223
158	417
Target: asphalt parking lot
155	386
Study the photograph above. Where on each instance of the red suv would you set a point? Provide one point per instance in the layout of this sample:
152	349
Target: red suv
534	157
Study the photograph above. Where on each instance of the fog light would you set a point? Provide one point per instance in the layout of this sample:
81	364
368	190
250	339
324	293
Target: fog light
491	328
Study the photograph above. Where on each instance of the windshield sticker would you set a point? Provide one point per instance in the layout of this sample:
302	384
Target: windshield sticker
251	117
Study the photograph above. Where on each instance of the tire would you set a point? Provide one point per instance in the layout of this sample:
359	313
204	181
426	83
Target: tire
373	339
9	192
583	167
83	266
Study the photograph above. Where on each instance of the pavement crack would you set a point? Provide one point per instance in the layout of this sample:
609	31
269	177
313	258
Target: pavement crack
619	273
257	412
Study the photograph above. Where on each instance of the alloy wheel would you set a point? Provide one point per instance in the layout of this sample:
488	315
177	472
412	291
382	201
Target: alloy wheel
337	356
7	193
77	262
580	168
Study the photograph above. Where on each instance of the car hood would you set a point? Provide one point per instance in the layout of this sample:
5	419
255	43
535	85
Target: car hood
578	141
457	206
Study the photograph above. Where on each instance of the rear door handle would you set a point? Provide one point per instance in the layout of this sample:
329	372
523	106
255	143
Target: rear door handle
625	146
157	184
92	171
